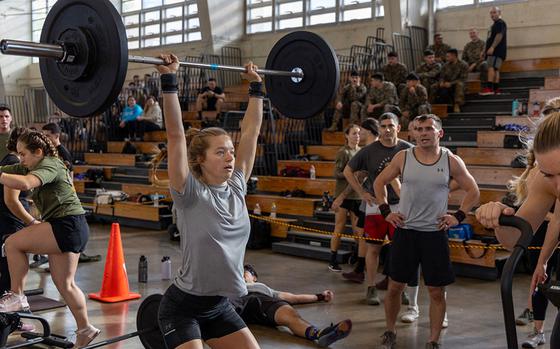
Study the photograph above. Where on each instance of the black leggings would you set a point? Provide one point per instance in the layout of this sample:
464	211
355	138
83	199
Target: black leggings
540	302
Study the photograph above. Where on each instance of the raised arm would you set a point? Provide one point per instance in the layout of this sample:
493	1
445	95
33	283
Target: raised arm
251	124
178	168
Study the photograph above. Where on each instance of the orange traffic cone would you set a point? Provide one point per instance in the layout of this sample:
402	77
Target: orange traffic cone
115	281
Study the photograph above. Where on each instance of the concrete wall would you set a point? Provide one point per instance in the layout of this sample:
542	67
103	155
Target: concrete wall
16	24
533	27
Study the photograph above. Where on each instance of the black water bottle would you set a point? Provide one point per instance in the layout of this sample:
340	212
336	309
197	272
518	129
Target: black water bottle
143	269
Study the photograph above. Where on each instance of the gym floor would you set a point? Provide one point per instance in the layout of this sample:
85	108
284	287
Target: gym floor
474	306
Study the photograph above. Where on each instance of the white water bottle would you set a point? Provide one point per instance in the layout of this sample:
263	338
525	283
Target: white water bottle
273	210
312	172
257	209
166	268
156	199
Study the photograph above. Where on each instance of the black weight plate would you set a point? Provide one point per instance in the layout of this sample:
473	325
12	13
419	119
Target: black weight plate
147	320
106	54
319	63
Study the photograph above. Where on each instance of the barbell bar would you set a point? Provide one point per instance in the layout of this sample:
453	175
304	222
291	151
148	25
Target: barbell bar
83	58
61	54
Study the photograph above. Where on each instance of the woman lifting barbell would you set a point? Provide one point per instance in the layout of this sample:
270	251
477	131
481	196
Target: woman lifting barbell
208	186
62	234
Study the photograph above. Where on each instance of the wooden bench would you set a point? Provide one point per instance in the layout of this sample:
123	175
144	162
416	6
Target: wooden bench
107	170
144	189
440	110
519	120
486	195
142	147
322	168
483	259
542	95
326	152
189	115
337	138
288	206
81	184
494	175
493	139
488	156
137	211
473	87
110	159
532	64
279	184
552	83
281	230
155	136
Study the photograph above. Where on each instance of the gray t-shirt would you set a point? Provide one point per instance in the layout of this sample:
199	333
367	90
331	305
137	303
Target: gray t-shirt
214	226
259	287
373	158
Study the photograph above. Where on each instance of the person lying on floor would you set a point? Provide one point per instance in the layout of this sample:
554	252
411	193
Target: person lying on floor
265	306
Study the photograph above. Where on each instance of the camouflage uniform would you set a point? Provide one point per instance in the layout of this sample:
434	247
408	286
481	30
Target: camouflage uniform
396	74
386	96
471	55
352	99
455	73
415	103
440	51
429	74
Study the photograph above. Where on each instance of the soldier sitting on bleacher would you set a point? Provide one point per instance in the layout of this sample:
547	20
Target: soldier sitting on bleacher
350	99
381	97
473	54
451	85
395	72
211	97
429	71
413	100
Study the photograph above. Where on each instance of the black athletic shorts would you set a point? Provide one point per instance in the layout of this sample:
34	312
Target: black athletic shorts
184	317
71	233
429	249
352	206
258	308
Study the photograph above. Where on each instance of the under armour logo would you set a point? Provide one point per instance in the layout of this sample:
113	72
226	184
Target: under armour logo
440	170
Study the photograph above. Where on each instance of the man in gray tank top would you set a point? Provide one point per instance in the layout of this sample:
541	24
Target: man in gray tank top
422	221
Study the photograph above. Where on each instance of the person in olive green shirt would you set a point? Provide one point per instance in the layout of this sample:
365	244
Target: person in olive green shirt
5	129
351	204
61	234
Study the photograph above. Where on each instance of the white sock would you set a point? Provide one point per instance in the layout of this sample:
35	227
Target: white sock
413	295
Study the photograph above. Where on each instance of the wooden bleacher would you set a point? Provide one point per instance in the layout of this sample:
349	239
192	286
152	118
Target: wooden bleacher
488	156
533	64
519	120
141	147
277	184
110	159
552	83
285	206
322	168
492	139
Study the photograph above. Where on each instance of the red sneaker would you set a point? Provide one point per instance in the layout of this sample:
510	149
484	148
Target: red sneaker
487	91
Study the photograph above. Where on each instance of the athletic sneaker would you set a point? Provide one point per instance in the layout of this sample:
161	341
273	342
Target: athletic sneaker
38	261
84	258
334	333
432	345
410	315
85	336
389	340
371	297
354	276
13	302
445	322
335	267
487	91
404	298
525	318
535	339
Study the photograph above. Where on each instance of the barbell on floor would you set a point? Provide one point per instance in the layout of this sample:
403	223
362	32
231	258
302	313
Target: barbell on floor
83	58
